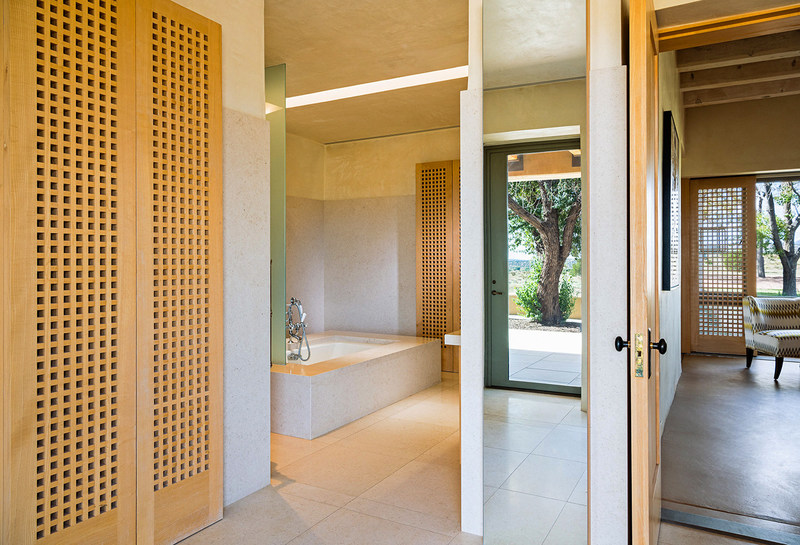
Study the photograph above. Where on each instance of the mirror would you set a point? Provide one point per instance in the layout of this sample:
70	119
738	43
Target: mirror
535	427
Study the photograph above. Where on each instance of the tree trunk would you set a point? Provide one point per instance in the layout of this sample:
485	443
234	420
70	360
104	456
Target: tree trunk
548	288
760	262
789	275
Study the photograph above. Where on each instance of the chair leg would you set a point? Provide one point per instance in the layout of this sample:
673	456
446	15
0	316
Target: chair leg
749	357
778	366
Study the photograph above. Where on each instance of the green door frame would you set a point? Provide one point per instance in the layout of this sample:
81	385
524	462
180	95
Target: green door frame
496	260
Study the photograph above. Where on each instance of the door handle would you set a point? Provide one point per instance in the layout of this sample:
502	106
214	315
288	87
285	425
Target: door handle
661	346
620	344
495	292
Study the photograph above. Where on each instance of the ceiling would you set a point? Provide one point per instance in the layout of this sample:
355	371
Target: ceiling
680	12
420	108
328	44
749	69
533	42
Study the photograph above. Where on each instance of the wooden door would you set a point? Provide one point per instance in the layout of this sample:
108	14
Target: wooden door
722	261
644	280
179	272
439	254
68	292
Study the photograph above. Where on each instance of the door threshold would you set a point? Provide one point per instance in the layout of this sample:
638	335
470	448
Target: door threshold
729	527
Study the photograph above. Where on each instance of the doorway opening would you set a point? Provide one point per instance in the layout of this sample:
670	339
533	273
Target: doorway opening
535	330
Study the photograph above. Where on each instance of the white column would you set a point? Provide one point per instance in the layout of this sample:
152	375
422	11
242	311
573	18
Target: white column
608	269
472	281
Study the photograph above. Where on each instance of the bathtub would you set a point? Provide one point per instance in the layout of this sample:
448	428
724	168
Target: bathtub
349	375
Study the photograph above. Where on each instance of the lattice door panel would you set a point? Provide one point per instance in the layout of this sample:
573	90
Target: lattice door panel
438	262
722	261
180	273
69	267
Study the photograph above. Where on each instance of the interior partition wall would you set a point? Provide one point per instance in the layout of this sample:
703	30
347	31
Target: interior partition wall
112	272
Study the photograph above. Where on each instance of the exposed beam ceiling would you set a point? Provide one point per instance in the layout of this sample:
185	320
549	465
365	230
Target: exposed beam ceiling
761	48
742	74
738	93
748	69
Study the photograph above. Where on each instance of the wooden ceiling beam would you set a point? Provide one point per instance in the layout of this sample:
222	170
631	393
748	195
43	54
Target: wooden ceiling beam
742	74
758	49
739	93
726	29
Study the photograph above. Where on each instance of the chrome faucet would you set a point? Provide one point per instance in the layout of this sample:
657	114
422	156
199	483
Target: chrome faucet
296	331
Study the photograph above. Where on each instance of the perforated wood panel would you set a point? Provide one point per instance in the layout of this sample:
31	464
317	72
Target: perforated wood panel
180	312
723	253
71	282
438	261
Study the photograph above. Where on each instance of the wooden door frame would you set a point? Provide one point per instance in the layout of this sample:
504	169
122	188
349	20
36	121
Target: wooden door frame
644	279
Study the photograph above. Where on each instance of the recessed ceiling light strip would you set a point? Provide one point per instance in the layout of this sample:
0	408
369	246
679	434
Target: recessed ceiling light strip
381	86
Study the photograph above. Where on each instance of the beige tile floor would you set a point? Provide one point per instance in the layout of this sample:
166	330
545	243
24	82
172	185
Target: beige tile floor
391	478
535	477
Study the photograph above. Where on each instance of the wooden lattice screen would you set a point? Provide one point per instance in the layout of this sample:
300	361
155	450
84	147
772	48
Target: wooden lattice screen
105	434
69	267
180	278
438	254
722	261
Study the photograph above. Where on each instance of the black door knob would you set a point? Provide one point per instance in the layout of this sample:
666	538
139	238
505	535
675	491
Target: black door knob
661	346
495	292
619	344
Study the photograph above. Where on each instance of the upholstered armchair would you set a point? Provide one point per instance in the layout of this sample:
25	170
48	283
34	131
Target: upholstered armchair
772	326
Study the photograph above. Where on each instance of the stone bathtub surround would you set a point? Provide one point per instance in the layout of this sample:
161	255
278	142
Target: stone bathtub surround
311	400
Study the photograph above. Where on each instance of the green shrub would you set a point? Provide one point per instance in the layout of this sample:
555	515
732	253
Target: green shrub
528	300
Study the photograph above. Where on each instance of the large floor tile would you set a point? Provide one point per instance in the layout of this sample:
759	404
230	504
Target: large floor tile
517	437
580	493
285	449
341	469
514	518
263	518
432	411
424	521
564	442
528	408
467	539
313	493
498	464
576	417
532	374
544	476
347	527
398	437
570	527
569	366
426	488
560	356
448	452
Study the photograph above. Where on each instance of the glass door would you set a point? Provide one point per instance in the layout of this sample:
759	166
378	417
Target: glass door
533	297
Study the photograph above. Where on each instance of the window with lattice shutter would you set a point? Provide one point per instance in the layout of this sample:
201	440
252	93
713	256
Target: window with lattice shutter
722	261
438	254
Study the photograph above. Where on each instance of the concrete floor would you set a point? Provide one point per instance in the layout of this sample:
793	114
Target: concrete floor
731	445
547	357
